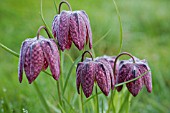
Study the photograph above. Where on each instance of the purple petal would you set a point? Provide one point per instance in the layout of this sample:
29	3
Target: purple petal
63	36
45	64
36	61
20	68
78	75
27	64
147	78
77	30
52	56
24	48
105	62
88	27
103	78
87	78
134	87
122	74
55	26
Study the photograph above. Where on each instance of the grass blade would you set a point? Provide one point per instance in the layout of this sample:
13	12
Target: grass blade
69	73
120	25
42	17
104	36
43	101
9	50
93	96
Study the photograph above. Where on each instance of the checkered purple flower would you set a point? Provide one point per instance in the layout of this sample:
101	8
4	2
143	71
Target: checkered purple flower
37	54
129	70
72	26
99	70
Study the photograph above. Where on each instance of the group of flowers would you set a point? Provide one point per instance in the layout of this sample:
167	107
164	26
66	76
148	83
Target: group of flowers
108	71
38	53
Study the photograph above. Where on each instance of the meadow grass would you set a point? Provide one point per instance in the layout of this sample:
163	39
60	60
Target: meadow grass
145	34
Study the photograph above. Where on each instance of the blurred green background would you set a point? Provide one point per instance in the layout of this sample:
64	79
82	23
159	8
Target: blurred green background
146	34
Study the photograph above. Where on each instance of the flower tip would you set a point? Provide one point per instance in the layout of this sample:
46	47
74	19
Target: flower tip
30	82
134	94
20	80
119	88
87	95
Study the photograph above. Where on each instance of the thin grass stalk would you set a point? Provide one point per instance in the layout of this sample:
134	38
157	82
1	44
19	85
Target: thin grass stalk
61	69
42	99
59	93
112	101
120	26
128	106
97	101
82	104
42	17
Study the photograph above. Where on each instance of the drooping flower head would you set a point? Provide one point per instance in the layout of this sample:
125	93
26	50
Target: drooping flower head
37	54
90	70
130	69
72	26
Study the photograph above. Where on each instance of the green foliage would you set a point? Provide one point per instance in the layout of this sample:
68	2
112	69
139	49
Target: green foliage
145	34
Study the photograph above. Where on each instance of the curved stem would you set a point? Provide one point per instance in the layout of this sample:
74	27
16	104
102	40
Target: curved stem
38	32
59	8
85	53
123	53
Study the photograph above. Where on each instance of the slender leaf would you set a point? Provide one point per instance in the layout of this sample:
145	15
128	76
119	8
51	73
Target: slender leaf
103	37
9	50
42	17
42	99
120	25
69	73
93	96
71	106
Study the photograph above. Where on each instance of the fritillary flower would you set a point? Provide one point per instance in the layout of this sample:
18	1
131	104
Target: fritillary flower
37	54
130	69
89	71
72	26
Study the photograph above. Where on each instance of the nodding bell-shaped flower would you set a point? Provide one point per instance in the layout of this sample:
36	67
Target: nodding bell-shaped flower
72	26
132	68
89	71
37	54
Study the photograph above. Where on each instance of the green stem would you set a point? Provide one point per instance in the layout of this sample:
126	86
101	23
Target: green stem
120	25
61	69
82	105
59	96
9	50
42	98
91	97
97	102
69	73
42	17
113	106
129	101
55	6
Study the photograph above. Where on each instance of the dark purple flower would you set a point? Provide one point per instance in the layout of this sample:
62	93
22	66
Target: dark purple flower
72	26
89	71
129	70
36	55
